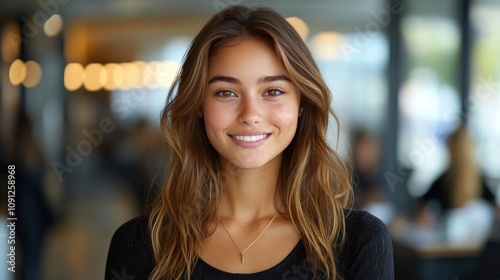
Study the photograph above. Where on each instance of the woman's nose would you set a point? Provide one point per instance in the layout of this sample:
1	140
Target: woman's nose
250	111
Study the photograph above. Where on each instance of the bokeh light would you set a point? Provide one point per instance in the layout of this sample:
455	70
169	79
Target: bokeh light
33	74
73	76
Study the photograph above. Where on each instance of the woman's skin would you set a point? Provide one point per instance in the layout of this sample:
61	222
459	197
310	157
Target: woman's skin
249	97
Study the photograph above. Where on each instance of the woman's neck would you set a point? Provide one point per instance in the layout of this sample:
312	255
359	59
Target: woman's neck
250	194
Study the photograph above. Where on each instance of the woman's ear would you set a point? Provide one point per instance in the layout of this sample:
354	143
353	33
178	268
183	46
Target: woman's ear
301	109
200	114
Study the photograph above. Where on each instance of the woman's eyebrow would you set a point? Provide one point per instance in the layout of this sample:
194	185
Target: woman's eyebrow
269	79
227	79
262	80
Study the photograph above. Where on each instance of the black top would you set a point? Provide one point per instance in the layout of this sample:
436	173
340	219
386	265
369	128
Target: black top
367	254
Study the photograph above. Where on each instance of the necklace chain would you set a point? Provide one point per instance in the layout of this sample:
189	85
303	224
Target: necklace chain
248	247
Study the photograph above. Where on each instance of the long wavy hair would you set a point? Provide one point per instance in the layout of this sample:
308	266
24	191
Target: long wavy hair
314	183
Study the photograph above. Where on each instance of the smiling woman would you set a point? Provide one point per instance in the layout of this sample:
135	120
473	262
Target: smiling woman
254	191
251	107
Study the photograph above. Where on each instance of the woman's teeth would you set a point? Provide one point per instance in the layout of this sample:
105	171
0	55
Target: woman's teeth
252	138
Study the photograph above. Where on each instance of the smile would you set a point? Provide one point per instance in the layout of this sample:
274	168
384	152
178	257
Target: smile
252	138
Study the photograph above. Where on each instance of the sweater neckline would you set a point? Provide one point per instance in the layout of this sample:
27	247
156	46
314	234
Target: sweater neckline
292	254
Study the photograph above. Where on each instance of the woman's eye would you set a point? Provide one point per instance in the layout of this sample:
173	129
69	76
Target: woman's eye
273	92
226	93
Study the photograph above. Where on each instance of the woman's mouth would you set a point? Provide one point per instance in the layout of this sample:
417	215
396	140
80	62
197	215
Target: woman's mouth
248	138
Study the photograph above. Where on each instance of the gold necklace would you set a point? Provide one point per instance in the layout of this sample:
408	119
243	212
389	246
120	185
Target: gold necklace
248	247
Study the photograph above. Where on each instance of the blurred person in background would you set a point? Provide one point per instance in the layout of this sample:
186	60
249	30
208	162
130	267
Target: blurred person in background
461	185
366	155
140	157
368	181
32	208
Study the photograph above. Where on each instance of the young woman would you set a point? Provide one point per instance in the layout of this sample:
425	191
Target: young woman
254	191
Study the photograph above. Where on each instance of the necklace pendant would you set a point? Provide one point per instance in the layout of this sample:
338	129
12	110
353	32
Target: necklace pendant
242	252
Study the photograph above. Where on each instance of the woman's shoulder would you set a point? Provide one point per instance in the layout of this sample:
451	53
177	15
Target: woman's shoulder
367	249
360	222
136	227
133	235
130	252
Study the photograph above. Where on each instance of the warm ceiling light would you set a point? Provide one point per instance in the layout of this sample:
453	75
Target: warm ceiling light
118	76
299	25
149	76
167	70
109	83
33	74
103	76
92	77
53	25
11	42
141	65
73	76
132	76
327	45
17	72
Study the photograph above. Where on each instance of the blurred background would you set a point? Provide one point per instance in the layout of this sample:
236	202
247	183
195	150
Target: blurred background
416	85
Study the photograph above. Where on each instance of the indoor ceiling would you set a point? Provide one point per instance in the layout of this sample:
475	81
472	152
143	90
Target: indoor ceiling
341	12
117	30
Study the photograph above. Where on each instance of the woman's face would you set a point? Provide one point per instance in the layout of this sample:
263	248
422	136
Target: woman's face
251	108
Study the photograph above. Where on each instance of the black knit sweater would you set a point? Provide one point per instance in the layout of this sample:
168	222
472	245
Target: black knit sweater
366	254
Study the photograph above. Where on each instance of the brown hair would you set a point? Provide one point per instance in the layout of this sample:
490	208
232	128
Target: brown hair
314	183
463	176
